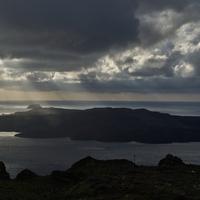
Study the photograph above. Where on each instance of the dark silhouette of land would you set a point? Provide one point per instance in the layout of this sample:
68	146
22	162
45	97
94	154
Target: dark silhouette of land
103	124
92	179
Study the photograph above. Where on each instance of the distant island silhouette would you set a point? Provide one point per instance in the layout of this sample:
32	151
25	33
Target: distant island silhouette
102	124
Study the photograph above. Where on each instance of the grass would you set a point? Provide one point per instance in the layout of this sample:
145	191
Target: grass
131	183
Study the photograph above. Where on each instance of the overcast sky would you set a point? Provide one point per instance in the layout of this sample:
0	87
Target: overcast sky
100	49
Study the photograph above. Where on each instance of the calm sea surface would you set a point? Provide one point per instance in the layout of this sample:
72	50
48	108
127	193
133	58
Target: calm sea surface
45	155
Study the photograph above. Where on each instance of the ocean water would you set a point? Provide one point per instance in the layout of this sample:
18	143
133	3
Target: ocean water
175	108
45	155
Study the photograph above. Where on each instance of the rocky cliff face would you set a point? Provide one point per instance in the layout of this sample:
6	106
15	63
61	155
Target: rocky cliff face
4	175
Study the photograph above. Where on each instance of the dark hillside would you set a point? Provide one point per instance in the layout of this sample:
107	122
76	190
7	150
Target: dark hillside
103	124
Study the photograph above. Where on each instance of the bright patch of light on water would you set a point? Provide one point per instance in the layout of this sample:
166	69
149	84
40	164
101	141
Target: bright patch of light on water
8	134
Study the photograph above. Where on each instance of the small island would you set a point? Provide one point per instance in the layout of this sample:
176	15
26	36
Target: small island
34	107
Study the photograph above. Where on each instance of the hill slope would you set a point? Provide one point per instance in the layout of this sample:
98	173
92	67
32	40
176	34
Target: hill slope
103	124
92	179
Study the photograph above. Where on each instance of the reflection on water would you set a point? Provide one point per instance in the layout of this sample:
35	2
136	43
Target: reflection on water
8	134
46	155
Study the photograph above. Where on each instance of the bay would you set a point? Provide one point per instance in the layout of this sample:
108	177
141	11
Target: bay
45	155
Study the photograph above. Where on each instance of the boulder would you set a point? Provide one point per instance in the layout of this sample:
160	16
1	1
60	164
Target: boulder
26	175
93	167
171	161
4	175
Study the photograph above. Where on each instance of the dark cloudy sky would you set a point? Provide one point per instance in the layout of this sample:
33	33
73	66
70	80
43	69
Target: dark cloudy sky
100	49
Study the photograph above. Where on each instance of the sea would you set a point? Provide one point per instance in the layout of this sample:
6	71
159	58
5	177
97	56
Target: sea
45	155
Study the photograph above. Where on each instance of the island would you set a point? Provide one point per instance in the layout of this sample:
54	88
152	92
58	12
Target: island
102	124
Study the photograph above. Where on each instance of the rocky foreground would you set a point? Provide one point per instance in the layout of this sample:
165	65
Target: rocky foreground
91	179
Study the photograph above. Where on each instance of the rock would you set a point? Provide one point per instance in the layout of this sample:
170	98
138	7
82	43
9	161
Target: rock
171	161
26	175
4	175
34	107
93	167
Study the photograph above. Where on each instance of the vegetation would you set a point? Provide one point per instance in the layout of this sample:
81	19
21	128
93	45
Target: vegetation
91	179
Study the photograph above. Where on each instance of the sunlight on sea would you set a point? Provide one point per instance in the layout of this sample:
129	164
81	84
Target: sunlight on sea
8	134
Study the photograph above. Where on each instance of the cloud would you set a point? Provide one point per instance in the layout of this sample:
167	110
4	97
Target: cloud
184	70
161	19
165	66
99	46
73	26
146	5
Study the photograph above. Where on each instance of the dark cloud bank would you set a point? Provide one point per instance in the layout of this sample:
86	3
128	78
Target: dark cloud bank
72	26
69	35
